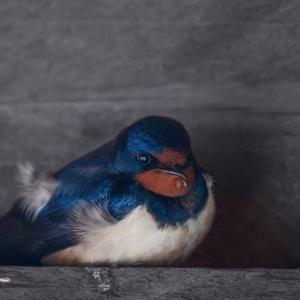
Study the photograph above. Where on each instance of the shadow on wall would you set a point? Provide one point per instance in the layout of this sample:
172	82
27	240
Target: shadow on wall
247	231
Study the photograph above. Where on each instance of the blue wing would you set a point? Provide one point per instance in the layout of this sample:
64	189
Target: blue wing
90	179
24	242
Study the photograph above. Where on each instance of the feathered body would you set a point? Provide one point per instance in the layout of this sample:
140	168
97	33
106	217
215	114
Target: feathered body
140	198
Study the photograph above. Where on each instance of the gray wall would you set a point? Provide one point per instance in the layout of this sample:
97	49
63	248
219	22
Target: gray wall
73	73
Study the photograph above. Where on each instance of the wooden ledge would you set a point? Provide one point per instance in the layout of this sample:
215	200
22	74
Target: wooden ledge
147	283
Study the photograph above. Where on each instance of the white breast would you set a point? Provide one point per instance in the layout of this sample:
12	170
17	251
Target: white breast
138	239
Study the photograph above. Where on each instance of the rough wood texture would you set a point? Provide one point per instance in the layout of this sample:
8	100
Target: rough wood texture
74	72
141	283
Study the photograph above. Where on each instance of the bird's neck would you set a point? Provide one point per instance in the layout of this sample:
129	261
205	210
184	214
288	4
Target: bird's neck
172	211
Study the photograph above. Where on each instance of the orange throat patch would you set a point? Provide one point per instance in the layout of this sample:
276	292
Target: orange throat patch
167	184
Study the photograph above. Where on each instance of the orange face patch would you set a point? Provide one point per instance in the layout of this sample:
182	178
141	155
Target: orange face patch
171	158
167	184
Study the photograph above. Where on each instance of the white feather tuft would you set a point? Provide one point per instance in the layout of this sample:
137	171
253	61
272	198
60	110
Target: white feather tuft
91	216
25	174
35	190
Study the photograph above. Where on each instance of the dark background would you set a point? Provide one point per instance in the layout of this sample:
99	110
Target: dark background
73	73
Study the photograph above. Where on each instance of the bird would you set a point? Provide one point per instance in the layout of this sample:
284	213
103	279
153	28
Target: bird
140	199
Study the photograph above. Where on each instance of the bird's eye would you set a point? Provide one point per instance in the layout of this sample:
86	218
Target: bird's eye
144	159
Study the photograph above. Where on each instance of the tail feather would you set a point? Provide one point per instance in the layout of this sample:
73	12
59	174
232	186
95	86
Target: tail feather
25	243
14	242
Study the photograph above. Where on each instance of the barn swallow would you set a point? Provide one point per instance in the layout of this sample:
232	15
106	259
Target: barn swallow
139	199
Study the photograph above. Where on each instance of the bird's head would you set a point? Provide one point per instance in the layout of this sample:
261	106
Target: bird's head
156	153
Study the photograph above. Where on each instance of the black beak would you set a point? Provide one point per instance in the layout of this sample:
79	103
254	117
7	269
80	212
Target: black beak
172	172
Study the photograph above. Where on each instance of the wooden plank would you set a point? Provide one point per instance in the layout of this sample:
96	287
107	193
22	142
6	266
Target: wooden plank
166	11
73	51
147	283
